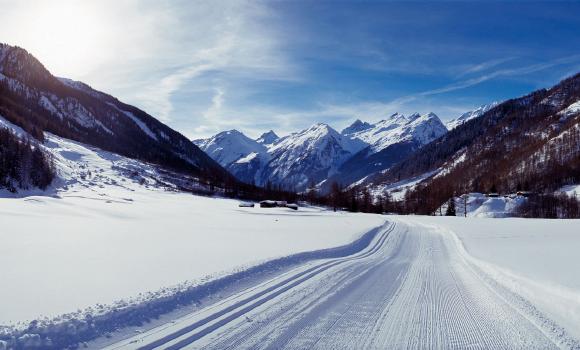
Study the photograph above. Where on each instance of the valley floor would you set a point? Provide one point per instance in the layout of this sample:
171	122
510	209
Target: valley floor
396	282
413	287
112	248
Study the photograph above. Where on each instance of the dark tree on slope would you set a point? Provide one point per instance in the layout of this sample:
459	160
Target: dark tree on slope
550	206
450	207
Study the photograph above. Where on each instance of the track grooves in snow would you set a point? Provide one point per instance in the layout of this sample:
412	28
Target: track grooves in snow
410	288
240	308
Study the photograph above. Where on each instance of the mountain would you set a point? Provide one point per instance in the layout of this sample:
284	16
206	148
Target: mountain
33	99
529	143
389	141
356	126
268	138
479	111
229	146
308	156
319	153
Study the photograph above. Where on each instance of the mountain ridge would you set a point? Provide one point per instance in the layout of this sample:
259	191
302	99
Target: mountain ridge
316	154
32	98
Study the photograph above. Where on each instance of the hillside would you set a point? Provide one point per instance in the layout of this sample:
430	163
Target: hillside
33	99
529	143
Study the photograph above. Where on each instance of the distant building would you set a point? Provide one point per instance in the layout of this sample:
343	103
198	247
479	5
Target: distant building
268	204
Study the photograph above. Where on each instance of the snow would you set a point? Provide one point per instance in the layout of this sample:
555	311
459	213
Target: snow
397	190
419	284
104	248
535	258
571	110
481	206
479	111
247	158
105	237
571	190
229	146
317	152
137	121
420	129
99	241
268	138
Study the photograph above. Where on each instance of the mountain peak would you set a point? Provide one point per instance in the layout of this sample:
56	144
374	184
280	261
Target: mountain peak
268	138
356	126
413	117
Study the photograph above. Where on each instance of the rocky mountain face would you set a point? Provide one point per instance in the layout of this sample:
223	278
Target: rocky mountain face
320	155
32	98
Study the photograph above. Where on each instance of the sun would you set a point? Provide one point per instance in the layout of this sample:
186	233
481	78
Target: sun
67	36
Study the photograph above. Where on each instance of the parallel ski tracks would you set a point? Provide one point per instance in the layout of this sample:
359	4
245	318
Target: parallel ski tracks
200	328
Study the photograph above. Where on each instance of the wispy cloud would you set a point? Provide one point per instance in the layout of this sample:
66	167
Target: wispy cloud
476	68
507	72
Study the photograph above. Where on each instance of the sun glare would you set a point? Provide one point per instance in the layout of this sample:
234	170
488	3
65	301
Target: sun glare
67	36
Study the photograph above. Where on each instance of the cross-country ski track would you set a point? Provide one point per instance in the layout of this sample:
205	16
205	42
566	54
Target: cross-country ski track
410	288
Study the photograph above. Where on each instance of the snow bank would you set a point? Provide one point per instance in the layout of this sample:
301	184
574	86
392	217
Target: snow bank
536	259
481	206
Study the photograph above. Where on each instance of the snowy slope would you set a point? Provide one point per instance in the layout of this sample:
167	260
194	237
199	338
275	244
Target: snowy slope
310	155
229	146
481	206
479	111
528	142
397	128
268	138
39	102
390	142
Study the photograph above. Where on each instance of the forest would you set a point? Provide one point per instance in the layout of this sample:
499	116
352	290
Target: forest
23	165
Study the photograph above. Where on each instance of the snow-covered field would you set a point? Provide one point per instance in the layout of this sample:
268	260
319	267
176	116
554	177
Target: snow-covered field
108	240
107	231
415	286
61	254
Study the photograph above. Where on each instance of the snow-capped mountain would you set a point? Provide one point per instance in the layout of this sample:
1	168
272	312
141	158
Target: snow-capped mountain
397	129
479	111
319	153
309	156
32	98
229	146
389	141
356	126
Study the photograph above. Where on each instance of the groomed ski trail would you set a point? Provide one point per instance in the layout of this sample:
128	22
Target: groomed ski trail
409	289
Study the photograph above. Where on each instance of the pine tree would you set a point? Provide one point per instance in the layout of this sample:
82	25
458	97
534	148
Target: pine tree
450	207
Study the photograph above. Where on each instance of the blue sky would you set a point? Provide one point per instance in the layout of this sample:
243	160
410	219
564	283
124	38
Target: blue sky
204	67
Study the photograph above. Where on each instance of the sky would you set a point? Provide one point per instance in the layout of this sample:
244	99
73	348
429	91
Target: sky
207	66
